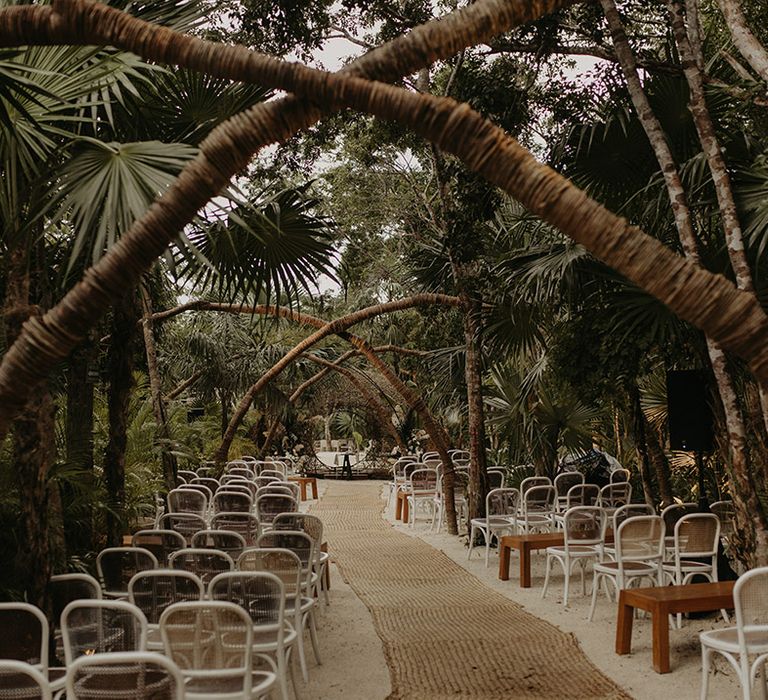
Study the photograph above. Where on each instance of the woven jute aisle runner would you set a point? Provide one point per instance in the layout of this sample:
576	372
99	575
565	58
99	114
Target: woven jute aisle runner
446	634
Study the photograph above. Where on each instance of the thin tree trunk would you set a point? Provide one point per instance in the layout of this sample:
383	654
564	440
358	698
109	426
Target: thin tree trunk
749	510
733	318
120	372
183	386
641	445
79	439
691	60
660	463
164	437
478	465
743	39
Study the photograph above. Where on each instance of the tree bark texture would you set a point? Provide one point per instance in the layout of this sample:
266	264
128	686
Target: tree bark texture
164	437
641	445
754	522
731	317
744	40
473	372
120	373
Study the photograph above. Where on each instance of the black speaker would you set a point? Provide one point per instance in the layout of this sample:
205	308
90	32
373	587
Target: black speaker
689	412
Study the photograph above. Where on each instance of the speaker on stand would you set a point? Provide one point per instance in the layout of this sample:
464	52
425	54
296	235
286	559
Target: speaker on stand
690	419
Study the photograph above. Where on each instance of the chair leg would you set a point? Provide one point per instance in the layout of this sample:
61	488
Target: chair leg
313	637
595	581
488	536
471	541
546	576
567	566
705	657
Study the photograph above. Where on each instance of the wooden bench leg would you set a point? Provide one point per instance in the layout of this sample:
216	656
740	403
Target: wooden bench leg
660	640
624	626
398	506
525	566
303	486
504	553
313	484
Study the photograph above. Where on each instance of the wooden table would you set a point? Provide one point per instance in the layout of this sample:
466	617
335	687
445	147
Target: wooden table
525	544
662	601
302	481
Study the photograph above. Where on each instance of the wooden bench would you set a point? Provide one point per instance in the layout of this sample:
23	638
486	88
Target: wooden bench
525	544
661	602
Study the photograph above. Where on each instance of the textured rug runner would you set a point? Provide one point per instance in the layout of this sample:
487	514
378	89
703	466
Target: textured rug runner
445	634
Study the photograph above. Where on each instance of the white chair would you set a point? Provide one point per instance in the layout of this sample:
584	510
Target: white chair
154	591
563	484
92	627
299	602
537	509
227	500
615	518
116	566
726	513
583	527
460	486
141	675
497	478
619	476
25	636
262	596
501	516
187	500
530	481
64	589
639	555
271	504
578	495
233	543
312	526
749	638
186	524
21	680
211	642
613	496
420	488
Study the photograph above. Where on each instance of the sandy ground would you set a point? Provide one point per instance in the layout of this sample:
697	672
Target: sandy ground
354	664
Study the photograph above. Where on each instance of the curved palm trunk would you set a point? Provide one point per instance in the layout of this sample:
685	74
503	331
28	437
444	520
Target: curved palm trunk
170	466
733	318
333	328
183	386
367	394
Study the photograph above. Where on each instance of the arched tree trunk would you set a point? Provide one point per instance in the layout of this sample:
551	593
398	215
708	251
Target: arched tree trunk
733	318
380	410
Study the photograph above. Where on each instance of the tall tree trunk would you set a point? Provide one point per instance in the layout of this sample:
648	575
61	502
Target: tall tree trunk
164	437
692	60
641	445
660	463
749	510
120	373
34	451
327	431
79	439
478	469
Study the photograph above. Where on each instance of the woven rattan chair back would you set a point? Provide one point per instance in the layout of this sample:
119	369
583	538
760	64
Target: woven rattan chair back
125	676
21	681
269	505
582	495
101	626
298	542
583	526
116	566
203	563
502	502
423	479
619	476
202	488
244	524
186	524
208	481
162	543
671	514
259	593
211	642
283	563
697	535
640	538
539	500
187	500
496	478
266	480
616	495
230	501
154	591
224	540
